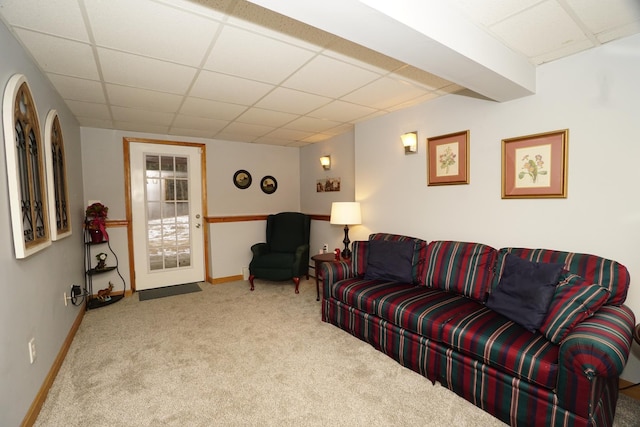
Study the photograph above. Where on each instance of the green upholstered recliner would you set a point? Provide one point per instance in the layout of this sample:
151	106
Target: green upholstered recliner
285	255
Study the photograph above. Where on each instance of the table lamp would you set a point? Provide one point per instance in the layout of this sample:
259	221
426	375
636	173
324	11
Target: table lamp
347	213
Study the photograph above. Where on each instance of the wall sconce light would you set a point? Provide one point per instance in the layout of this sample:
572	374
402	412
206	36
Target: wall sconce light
325	161
410	142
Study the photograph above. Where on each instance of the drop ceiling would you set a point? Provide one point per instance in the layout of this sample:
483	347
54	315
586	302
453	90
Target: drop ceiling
295	73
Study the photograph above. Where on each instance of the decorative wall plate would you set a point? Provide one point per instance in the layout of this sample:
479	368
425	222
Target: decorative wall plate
269	184
242	179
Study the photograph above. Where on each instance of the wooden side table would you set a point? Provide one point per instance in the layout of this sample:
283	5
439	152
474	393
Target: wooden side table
319	259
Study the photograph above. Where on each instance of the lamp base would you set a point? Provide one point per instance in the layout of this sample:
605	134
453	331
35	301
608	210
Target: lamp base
346	252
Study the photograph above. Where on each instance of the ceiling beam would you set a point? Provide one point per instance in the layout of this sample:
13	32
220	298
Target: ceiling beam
427	34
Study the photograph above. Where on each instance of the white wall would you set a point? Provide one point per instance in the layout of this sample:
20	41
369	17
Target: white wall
229	243
341	150
595	94
32	288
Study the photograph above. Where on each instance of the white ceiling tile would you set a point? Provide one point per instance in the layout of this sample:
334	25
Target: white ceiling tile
311	124
197	133
91	122
245	54
78	89
125	96
488	12
146	73
292	101
274	141
618	13
211	109
538	30
341	111
151	29
565	50
215	9
77	60
142	127
224	88
619	32
385	93
343	77
89	109
259	116
61	17
289	134
200	123
339	130
248	130
132	115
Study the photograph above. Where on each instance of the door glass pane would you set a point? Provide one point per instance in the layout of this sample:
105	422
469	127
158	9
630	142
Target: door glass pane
168	221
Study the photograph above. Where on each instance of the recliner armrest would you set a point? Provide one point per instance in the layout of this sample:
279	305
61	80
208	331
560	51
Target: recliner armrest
259	249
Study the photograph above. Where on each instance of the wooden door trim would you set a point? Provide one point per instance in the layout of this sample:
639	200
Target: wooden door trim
126	141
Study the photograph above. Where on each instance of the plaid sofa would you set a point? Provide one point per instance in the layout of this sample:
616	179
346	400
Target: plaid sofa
439	326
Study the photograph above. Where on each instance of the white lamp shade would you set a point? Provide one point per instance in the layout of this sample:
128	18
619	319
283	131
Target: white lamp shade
345	213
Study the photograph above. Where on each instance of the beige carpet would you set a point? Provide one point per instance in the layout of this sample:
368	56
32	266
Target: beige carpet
228	356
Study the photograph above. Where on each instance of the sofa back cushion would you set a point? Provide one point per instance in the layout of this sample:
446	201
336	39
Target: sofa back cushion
594	269
461	267
359	252
419	253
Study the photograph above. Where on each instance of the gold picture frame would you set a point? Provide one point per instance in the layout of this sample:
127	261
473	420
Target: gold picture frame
448	159
535	166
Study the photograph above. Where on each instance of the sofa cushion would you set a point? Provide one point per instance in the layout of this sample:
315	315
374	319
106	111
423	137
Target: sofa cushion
421	310
389	260
574	300
493	339
464	268
525	291
607	273
418	267
361	293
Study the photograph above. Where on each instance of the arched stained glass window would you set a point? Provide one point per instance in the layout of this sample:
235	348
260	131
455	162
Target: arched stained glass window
25	169
56	178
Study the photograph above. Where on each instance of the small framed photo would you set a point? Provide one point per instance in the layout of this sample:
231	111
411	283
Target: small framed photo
268	184
242	179
448	159
535	166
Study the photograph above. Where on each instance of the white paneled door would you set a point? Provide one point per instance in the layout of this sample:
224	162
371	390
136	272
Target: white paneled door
166	211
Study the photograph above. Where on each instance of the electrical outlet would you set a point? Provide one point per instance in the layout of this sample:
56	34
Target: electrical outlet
65	299
32	350
325	247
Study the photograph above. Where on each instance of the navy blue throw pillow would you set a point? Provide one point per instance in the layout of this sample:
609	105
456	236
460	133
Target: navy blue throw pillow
390	260
525	291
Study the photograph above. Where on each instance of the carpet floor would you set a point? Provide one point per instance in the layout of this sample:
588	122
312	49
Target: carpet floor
229	356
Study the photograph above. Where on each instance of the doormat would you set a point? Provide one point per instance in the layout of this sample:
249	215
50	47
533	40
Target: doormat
168	291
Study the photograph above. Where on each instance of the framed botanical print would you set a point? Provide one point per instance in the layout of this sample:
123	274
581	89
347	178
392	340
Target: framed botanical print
448	159
535	166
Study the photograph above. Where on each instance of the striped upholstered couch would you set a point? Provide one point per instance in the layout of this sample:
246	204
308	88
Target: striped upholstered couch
437	323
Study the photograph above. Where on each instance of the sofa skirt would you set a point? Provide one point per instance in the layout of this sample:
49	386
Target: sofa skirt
506	397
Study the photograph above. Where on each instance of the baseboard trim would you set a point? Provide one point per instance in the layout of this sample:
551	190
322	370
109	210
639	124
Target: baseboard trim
226	279
36	406
632	392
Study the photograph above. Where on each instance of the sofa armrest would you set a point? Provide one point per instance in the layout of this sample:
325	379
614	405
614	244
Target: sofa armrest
593	356
333	272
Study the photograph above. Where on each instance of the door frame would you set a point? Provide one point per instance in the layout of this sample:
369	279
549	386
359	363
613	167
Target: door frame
126	141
